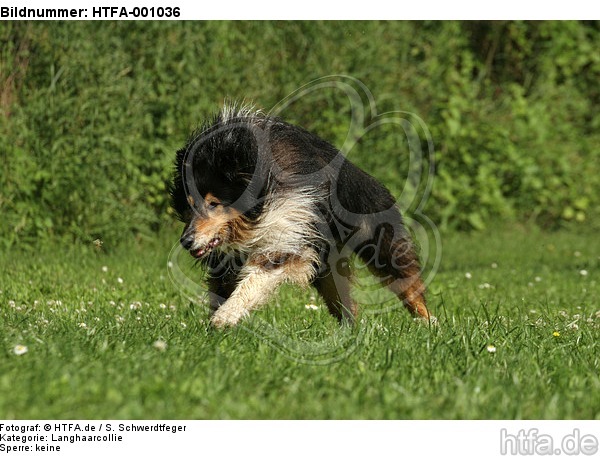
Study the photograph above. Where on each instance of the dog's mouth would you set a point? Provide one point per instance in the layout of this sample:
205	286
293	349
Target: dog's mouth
210	245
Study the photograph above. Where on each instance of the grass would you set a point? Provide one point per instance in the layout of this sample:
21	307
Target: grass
110	336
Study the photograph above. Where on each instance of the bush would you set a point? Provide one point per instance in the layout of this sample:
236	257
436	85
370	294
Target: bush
92	112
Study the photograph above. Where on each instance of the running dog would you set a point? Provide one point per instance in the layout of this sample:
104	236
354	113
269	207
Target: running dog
265	202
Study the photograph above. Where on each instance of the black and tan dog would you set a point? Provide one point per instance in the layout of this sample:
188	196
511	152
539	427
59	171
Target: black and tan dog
265	202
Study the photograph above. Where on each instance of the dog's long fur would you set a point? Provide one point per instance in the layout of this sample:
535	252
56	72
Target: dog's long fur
265	202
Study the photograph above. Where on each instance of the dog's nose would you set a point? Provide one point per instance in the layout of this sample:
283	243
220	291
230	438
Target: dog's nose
187	240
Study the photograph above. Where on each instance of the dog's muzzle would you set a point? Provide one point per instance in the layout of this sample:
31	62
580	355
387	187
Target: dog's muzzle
188	240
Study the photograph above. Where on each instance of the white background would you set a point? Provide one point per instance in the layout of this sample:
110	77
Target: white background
347	438
351	9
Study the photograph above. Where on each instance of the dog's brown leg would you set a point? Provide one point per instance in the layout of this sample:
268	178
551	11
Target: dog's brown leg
411	291
393	259
406	282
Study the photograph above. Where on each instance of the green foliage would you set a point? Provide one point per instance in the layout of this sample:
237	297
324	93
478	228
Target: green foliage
514	128
91	113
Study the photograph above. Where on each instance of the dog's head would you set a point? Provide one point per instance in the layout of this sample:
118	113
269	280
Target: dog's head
212	214
216	189
211	224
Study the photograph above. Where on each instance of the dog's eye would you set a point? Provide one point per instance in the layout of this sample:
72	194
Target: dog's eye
213	204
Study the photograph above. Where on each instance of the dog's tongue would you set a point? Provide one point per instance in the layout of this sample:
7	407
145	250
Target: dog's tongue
198	253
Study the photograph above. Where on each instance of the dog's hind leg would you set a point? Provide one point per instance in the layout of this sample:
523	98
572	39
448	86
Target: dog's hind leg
410	289
336	293
391	256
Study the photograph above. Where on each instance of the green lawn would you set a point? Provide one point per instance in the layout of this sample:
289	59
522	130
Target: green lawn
108	335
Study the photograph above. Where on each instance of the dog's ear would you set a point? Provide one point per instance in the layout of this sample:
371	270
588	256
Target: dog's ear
177	187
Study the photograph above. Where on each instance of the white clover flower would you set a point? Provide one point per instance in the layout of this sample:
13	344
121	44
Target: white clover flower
537	279
468	275
491	348
160	345
311	306
82	325
20	350
494	265
583	272
119	279
104	269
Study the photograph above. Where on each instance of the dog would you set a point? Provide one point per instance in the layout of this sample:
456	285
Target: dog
265	202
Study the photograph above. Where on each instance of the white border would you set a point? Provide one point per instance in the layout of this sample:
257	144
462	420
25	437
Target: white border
348	10
348	438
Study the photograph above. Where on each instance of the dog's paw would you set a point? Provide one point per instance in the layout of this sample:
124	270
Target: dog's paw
226	317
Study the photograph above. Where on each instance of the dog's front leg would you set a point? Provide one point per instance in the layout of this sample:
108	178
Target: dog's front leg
257	284
258	280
